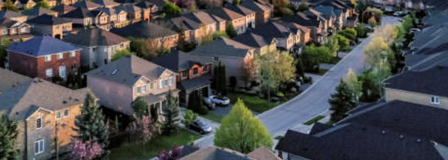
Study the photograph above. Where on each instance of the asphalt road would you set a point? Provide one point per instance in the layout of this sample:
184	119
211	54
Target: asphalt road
314	101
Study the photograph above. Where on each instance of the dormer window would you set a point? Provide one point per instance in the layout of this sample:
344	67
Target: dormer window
195	71
435	100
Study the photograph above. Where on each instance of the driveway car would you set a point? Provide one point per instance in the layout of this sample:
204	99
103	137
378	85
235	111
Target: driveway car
209	103
201	127
220	100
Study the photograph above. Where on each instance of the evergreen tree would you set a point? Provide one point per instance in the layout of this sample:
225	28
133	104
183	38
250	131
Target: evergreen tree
230	30
171	113
195	103
90	124
223	84
240	130
140	107
341	102
8	136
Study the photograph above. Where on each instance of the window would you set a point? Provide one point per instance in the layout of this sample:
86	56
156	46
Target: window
195	71
14	30
170	81
62	71
49	72
435	100
144	89
39	122
66	113
184	73
58	115
60	55
5	31
47	58
139	89
39	146
72	53
160	83
23	30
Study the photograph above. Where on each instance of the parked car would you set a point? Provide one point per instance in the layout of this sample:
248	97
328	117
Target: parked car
201	127
401	13
220	100
414	30
209	103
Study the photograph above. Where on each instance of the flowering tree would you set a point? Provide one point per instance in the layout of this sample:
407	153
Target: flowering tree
143	128
84	150
170	155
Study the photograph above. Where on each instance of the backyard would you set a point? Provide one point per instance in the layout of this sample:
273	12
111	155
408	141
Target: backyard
145	151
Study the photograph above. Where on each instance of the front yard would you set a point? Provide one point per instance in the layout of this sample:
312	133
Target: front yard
252	102
145	151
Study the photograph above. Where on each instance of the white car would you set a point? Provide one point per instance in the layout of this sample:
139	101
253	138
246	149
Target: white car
220	100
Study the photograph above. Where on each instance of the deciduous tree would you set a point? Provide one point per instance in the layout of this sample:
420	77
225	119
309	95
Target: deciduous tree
230	30
171	8
121	53
351	79
189	117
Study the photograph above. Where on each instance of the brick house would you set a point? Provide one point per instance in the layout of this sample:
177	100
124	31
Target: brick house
284	36
98	46
40	108
120	82
107	18
263	10
193	73
317	32
80	17
248	14
50	25
44	57
17	16
13	30
232	18
135	13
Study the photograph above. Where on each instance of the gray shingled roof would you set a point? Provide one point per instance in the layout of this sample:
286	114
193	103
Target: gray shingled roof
195	83
62	9
23	100
194	20
128	70
301	19
178	61
94	37
78	13
7	23
106	3
143	29
42	45
46	19
37	11
256	5
225	13
240	9
254	40
271	30
9	79
215	153
86	4
10	14
223	47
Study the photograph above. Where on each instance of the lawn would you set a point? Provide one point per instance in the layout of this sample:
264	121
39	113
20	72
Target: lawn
322	71
252	102
335	60
212	117
314	120
145	151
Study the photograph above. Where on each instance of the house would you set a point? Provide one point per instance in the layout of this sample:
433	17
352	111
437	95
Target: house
420	87
261	44
215	153
232	18
52	3
44	57
81	17
110	18
106	3
304	32
193	73
120	82
24	4
89	5
40	108
10	80
65	2
38	11
230	53
316	26
13	15
158	35
263	10
285	38
63	9
50	25
197	25
334	21
151	6
98	46
316	15
13	30
135	13
394	130
249	14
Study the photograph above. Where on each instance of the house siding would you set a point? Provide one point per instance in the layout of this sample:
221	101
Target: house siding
414	97
110	94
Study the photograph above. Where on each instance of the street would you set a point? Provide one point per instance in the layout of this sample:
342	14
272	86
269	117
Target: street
313	101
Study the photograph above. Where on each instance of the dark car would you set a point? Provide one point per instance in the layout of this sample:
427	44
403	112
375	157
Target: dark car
200	127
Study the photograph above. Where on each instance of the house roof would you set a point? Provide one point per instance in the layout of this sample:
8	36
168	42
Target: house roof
301	19
143	29
256	5
215	153
62	9
254	40
95	37
23	100
128	70
130	8
109	11
178	61
87	4
195	83
263	153
431	81
188	149
271	30
78	13
225	13
11	79
223	47
146	4
326	11
240	9
46	19
42	45
8	23
106	3
37	11
10	14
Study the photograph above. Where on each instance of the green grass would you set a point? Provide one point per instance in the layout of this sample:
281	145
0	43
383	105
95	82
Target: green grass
145	151
335	60
322	71
278	137
314	120
252	102
212	117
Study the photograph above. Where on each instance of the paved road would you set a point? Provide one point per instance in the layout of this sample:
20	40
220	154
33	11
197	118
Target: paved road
314	101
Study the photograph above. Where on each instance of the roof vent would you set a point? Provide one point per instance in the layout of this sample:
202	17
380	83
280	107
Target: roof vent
419	140
115	72
383	132
64	102
70	98
76	99
401	136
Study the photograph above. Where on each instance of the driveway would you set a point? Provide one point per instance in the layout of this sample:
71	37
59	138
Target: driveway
313	101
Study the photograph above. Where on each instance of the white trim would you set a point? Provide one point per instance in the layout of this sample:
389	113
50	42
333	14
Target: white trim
39	149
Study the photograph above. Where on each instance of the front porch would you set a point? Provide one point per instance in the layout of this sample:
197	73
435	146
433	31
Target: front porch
158	102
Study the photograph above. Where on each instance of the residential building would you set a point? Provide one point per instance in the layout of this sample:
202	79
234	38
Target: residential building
135	13
193	73
157	35
215	153
316	26
249	14
263	10
232	18
394	130
98	46
24	4
304	32
316	15
13	30
65	2
108	18
106	3
40	108
151	6
63	9
13	15
230	53
261	44
284	36
44	57
81	17
38	11
50	25
89	5
120	82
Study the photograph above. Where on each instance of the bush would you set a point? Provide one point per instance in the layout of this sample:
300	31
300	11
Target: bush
372	22
189	117
303	7
361	30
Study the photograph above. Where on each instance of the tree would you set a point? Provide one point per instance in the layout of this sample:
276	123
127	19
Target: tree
195	103
241	131
250	68
372	21
407	23
174	154
90	124
230	30
219	83
43	4
9	5
121	53
171	8
371	86
351	79
171	114
143	128
219	34
349	33
303	7
361	30
140	107
184	45
388	33
333	44
312	56
341	102
236	2
189	117
379	55
281	7
343	42
378	14
86	150
147	49
3	53
8	136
